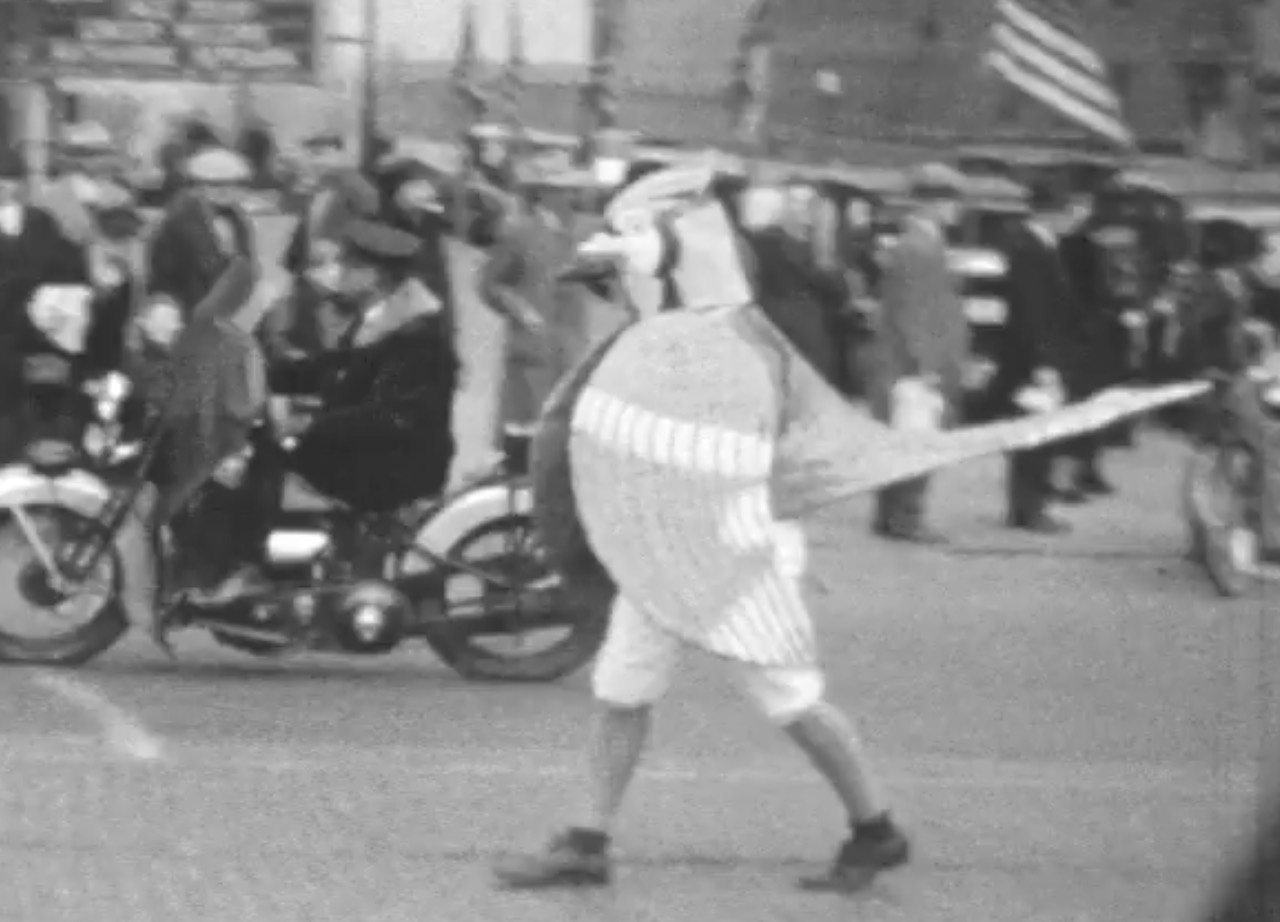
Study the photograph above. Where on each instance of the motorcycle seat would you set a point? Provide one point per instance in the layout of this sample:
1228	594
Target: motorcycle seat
300	496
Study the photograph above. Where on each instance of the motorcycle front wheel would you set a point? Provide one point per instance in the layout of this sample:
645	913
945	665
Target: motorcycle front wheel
43	622
507	581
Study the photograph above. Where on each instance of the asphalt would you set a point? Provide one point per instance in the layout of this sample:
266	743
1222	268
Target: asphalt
1070	727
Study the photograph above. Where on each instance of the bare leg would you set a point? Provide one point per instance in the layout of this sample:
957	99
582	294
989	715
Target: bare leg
620	738
828	739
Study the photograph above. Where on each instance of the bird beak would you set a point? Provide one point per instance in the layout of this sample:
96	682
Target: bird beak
596	258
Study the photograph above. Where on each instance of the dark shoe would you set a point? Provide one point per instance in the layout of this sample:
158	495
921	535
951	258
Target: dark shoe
574	858
1094	485
1042	524
1071	496
921	534
872	849
244	581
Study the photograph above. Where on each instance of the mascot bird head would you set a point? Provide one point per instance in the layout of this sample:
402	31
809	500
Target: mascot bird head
671	242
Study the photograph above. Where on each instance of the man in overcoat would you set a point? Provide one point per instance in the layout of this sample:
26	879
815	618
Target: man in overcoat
1034	348
923	332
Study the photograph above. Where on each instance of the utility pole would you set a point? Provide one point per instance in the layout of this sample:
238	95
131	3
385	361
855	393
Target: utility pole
28	96
369	101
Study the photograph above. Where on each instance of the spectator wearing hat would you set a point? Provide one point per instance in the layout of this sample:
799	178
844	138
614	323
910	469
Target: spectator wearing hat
203	235
384	435
1032	356
522	282
923	335
1102	257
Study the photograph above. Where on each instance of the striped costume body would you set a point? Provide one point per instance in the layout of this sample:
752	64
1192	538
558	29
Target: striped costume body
673	454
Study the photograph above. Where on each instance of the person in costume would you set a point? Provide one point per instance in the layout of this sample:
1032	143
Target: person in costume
384	435
672	469
674	229
922	333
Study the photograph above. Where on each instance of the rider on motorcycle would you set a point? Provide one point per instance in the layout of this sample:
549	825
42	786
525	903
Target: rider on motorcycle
384	436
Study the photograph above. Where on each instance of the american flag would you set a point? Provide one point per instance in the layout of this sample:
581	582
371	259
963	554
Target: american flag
1040	49
752	77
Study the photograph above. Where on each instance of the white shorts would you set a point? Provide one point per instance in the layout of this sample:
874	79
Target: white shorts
636	664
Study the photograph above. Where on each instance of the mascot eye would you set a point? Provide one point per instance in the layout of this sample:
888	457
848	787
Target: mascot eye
644	251
632	223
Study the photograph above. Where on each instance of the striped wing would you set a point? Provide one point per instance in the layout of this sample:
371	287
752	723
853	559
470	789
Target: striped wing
1040	50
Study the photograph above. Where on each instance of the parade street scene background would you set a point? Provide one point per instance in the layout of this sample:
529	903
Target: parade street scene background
1034	243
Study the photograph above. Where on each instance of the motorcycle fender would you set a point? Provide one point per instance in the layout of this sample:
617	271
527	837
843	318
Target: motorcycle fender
87	495
469	511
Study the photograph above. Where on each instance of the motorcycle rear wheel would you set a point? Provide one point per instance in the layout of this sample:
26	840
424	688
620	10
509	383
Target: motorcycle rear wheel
28	581
459	648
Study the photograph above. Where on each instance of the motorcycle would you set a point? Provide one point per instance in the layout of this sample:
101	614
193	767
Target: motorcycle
90	548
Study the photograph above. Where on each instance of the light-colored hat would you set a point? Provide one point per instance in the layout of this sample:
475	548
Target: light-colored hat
935	180
218	166
87	137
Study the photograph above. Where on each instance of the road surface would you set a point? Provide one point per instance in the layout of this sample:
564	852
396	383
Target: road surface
1070	727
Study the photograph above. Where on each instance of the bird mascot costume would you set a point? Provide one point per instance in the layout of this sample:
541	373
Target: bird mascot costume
675	464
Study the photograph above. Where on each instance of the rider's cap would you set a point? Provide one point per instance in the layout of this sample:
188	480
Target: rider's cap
12	164
217	166
934	181
380	242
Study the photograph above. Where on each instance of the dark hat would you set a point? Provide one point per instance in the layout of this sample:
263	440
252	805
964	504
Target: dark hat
12	164
380	242
1040	198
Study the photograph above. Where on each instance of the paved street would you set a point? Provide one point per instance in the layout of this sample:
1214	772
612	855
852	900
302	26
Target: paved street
1070	728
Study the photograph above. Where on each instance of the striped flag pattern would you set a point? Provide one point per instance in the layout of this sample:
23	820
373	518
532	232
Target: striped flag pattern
752	77
1039	48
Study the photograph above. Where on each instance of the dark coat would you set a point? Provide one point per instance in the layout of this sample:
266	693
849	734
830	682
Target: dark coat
385	436
1213	324
803	300
1100	339
40	255
186	258
1037	333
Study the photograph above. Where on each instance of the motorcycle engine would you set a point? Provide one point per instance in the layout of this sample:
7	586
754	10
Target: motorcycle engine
372	617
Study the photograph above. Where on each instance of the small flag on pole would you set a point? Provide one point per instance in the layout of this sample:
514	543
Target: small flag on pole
1039	48
466	87
752	77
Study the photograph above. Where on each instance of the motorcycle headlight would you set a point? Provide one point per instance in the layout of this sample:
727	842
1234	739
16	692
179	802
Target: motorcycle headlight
160	321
